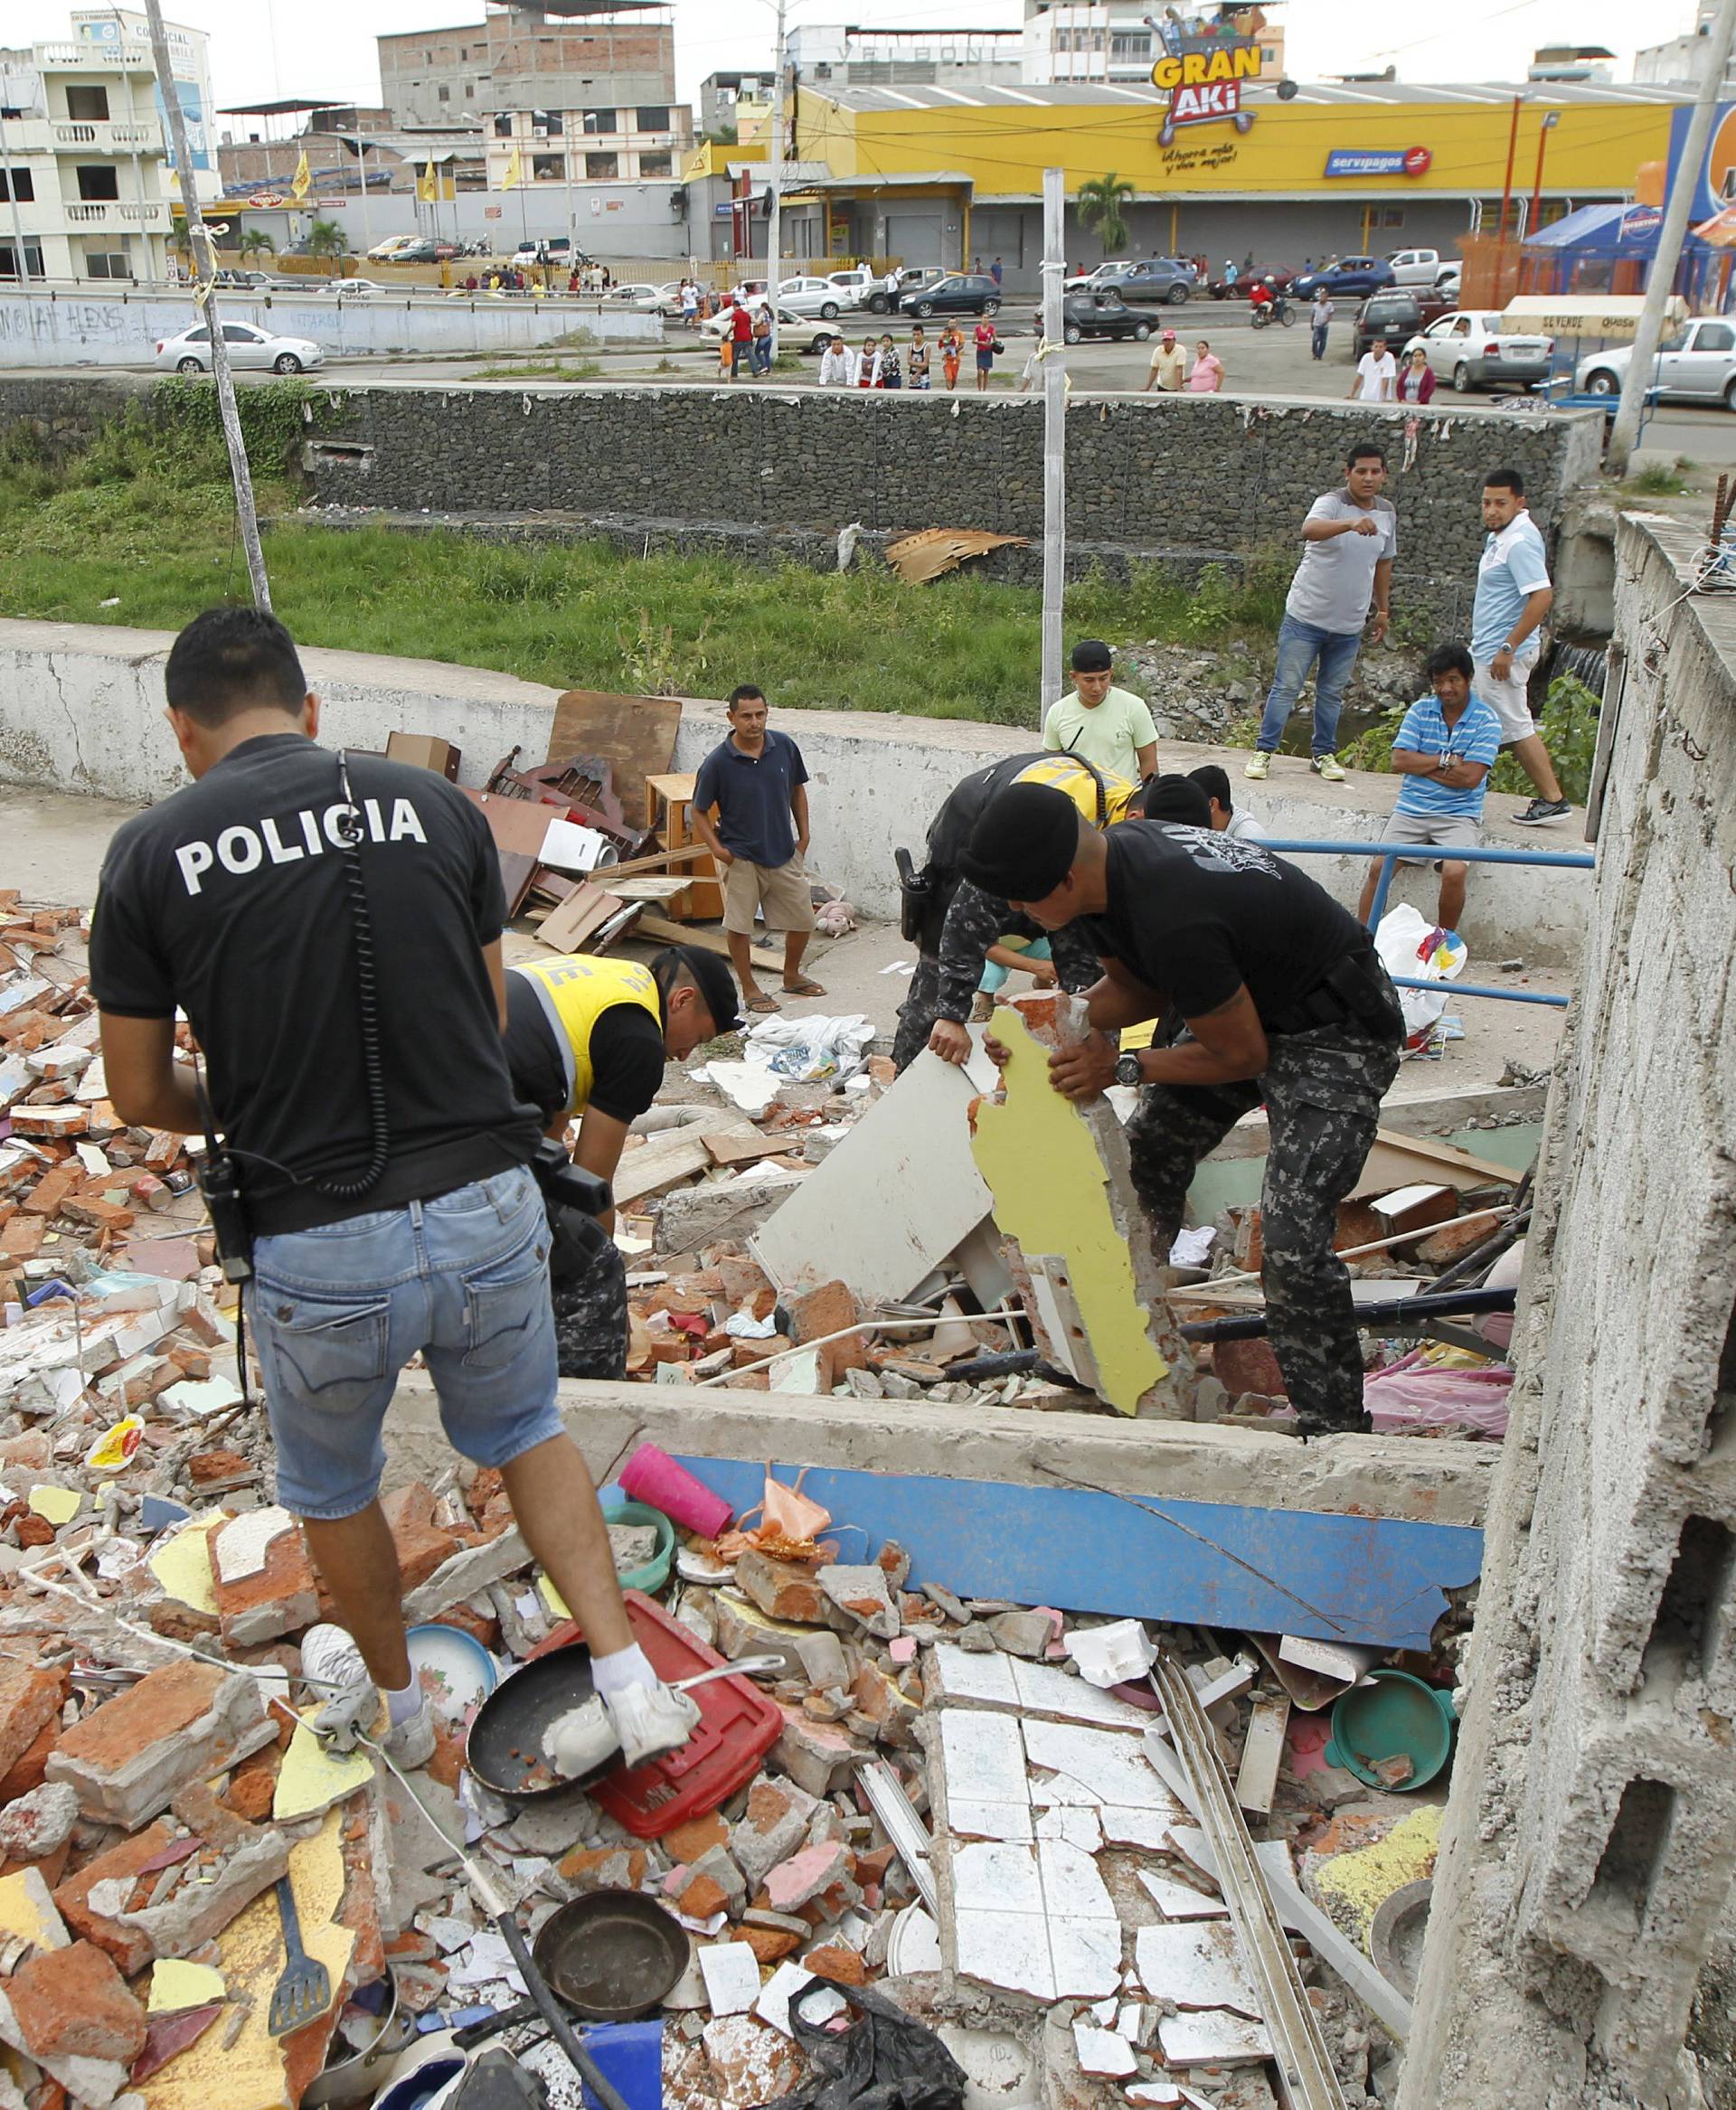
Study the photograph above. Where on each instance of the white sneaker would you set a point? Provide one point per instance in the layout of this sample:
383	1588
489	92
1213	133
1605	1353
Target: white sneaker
330	1656
650	1719
1259	764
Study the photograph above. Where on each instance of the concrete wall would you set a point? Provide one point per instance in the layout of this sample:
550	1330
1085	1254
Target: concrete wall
81	704
1148	476
1592	1835
120	329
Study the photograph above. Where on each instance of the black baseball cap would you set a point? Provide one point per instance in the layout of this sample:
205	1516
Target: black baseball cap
714	982
1173	798
1092	656
1024	846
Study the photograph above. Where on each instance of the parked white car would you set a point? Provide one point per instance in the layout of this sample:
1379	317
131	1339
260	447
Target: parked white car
190	352
642	299
813	298
1473	350
1697	365
796	333
1421	267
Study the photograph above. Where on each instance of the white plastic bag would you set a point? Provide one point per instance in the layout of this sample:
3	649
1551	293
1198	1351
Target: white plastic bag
1409	944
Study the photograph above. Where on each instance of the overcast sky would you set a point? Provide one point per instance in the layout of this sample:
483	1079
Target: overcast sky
262	48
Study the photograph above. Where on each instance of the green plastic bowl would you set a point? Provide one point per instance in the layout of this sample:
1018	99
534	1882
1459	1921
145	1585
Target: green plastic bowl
651	1578
1390	1715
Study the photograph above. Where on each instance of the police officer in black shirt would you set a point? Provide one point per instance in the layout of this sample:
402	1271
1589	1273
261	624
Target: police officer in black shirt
331	927
1284	1000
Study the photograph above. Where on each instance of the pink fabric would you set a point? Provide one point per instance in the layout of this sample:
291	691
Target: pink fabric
1411	1394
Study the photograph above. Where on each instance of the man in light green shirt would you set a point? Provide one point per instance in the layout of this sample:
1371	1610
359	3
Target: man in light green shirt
1111	728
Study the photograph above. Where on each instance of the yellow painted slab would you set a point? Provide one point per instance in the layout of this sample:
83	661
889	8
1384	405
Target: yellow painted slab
27	1911
312	1778
1040	1161
59	1505
1361	1881
247	2073
175	1985
183	1563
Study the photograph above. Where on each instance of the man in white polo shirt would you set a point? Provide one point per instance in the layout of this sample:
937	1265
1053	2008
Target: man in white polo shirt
1513	597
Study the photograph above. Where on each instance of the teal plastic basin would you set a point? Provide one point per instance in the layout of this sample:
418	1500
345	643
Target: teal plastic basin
1390	1715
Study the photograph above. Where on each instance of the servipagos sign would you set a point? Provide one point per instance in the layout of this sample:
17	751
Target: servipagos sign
1203	66
1350	161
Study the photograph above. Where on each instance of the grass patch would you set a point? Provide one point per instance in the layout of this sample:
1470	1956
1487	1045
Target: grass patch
144	518
1657	482
543	369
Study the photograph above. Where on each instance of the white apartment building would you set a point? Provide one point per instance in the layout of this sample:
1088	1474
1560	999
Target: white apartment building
1108	40
83	163
646	143
1682	62
189	66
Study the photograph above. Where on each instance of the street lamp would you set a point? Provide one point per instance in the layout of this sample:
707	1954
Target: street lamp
1550	120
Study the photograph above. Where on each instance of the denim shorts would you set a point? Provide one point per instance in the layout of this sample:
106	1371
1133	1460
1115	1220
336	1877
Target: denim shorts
336	1313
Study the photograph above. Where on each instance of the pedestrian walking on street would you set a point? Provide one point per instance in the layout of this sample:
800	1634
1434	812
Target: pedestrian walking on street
1169	367
381	1204
952	349
1285	1001
994	270
1376	377
1229	270
916	361
1320	315
756	782
1416	377
1443	751
1514	596
762	340
986	344
689	304
741	338
1207	377
1349	540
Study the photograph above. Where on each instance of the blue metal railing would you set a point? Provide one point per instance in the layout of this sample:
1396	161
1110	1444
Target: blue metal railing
1390	855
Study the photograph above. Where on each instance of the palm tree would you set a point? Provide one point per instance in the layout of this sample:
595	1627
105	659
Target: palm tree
257	242
1100	203
326	238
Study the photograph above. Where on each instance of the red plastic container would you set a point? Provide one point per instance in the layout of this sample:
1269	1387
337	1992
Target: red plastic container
738	1725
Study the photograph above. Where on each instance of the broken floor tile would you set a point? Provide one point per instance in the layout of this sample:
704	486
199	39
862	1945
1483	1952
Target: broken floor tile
750	2063
1178	1901
1102	2053
1197	1965
1082	1828
1105	1760
1061	1791
1212	2038
1072	1887
1043	1689
972	1820
995	1876
731	1974
28	1913
1151	1829
1006	1949
1085	1956
960	1675
983	1756
861	1595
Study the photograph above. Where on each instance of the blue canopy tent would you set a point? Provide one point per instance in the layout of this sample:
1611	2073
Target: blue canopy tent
1610	249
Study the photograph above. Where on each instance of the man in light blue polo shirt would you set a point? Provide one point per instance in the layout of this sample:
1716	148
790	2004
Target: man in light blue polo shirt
1513	597
1444	752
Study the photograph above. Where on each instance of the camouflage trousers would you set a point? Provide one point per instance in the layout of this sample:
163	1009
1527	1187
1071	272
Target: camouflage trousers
1322	1089
591	1313
917	1013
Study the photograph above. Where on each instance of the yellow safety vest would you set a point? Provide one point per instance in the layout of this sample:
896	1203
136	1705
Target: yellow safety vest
1067	772
576	991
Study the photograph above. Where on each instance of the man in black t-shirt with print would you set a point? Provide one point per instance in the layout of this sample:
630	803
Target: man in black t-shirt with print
1284	1000
302	909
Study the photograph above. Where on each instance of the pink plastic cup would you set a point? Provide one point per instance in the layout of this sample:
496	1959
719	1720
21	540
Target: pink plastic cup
651	1476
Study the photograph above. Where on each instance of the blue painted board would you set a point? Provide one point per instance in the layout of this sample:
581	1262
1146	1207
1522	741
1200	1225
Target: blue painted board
1376	1581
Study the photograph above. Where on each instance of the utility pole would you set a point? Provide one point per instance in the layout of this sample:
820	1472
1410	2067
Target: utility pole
1054	430
774	223
203	261
17	225
1624	431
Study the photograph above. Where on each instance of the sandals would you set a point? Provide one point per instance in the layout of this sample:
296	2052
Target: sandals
761	1002
803	986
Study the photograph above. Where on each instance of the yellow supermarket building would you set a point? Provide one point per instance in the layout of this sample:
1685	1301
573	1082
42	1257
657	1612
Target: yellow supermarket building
944	176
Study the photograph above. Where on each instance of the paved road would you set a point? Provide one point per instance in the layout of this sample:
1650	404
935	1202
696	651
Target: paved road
1264	363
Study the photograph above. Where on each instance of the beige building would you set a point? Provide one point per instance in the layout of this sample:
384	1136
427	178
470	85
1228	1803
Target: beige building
84	184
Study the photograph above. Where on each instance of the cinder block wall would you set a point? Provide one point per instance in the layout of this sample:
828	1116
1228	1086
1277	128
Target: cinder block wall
1591	1836
1169	477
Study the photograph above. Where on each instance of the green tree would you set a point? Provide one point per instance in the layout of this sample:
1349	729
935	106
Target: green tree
326	238
1102	201
257	242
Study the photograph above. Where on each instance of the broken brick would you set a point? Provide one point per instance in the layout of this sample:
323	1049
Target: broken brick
774	1825
815	1755
32	1769
827	1310
604	1868
687	1842
31	1696
73	2003
131	1947
1248	1366
833	1960
770	1944
184	1722
783	1589
281	1598
418	1542
805	1876
218	1468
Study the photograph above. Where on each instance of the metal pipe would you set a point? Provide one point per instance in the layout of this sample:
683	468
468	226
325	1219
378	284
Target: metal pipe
1479	989
1457	1303
1580	860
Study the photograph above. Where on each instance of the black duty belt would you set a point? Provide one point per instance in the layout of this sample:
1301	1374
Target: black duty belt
1352	992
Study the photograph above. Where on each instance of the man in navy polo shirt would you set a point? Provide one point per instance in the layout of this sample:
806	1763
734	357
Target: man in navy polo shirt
756	781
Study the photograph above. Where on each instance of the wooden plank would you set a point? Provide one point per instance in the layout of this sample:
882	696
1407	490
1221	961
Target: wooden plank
1400	1160
741	1146
635	735
649	886
649	1171
565	928
711	941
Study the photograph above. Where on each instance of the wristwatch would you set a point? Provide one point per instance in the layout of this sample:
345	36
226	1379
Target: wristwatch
1128	1069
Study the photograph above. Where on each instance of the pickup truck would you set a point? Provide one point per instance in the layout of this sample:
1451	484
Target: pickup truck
1421	267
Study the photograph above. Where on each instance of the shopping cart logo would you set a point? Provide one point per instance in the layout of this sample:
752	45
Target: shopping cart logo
1203	66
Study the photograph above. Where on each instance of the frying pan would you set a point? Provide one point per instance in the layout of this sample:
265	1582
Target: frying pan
504	1747
610	1956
